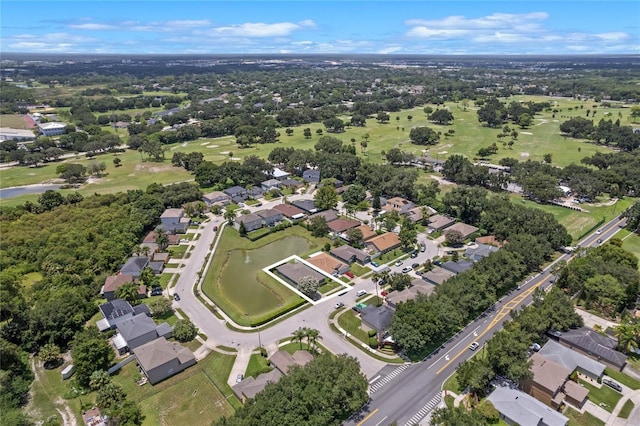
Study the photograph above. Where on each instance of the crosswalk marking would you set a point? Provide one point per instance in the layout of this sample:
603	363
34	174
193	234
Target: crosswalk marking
429	406
386	379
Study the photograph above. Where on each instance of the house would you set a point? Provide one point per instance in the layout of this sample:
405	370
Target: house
383	243
171	216
251	221
134	265
156	267
138	330
150	238
418	286
93	417
311	176
306	205
114	282
250	387
161	257
280	174
367	232
117	310
236	193
595	345
377	318
437	275
291	183
416	214
328	215
457	267
328	264
518	408
350	254
255	192
294	272
548	384
51	128
398	204
462	228
160	359
289	211
216	198
572	360
438	222
490	240
270	184
283	361
270	216
339	226
479	252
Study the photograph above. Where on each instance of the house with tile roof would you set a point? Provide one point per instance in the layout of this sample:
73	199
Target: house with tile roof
383	243
328	264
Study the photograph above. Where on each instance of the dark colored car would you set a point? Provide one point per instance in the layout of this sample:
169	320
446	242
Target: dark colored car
176	297
156	291
414	255
415	265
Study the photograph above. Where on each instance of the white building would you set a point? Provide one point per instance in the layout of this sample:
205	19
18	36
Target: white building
51	129
8	134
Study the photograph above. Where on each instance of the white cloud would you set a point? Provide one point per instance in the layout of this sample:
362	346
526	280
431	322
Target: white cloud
389	50
426	32
93	26
612	36
260	29
495	21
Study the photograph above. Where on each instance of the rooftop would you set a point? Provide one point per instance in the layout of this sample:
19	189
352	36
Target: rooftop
462	228
571	359
159	352
289	211
548	374
439	221
524	409
114	282
341	225
296	271
385	241
378	317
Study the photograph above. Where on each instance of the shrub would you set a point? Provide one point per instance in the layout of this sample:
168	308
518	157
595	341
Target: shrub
373	342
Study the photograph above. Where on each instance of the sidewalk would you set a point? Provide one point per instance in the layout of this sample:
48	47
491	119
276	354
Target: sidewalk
614	420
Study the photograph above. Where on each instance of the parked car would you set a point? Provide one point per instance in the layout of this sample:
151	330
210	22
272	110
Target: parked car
474	346
215	228
239	378
612	384
414	255
406	269
176	297
437	263
338	305
156	291
399	263
375	264
415	265
422	248
350	274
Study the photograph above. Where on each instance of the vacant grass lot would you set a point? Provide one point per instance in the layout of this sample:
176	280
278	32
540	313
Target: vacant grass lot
13	121
195	396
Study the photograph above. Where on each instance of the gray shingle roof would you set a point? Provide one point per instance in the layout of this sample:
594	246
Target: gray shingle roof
524	409
594	344
571	359
377	317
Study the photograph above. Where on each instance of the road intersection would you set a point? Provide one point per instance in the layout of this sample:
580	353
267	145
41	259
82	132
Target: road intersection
405	394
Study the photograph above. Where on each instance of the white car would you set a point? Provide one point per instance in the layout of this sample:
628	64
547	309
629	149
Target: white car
599	231
338	305
474	346
399	262
406	269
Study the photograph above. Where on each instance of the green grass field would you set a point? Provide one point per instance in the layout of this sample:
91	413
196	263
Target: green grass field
582	419
468	138
13	121
603	395
257	365
195	396
351	324
627	408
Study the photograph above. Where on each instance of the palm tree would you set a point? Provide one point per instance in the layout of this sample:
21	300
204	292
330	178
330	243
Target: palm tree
313	336
299	335
162	240
627	335
230	216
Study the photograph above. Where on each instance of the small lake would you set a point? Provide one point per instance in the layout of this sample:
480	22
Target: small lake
238	281
27	189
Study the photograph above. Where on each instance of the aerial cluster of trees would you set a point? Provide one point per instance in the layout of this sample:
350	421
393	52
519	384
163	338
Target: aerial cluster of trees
605	132
532	237
494	113
508	354
324	392
251	171
604	278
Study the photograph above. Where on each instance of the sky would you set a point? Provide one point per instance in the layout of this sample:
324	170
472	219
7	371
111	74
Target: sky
334	27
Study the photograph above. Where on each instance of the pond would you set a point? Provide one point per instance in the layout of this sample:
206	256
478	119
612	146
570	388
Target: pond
27	189
238	280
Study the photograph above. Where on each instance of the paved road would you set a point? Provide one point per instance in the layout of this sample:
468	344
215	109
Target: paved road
412	392
313	317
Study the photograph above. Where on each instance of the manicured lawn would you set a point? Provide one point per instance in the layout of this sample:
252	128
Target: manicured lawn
257	365
358	270
352	324
631	242
451	384
328	286
391	256
177	252
582	419
620	377
604	395
165	278
627	408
